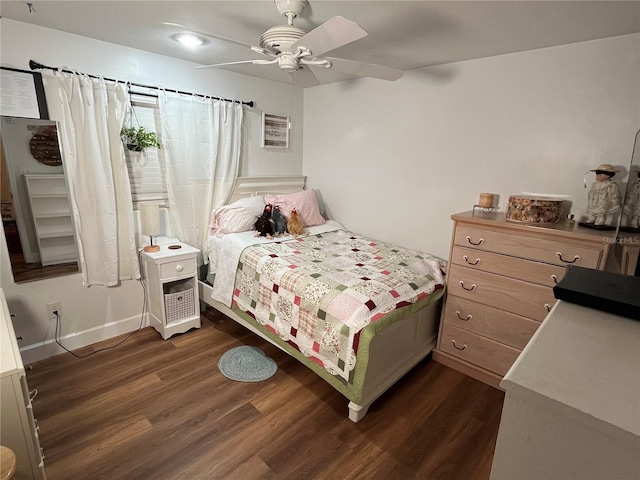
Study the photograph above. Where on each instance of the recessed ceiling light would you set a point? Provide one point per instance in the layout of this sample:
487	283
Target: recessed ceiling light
189	39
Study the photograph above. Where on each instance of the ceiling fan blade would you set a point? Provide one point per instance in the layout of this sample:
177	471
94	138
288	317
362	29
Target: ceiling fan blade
219	37
254	62
333	33
304	77
360	69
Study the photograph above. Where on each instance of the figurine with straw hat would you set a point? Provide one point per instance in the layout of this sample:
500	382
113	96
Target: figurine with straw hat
603	198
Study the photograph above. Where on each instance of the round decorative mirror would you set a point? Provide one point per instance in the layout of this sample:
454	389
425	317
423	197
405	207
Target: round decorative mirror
44	146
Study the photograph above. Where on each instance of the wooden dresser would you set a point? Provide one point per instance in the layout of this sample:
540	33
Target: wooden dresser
627	252
500	287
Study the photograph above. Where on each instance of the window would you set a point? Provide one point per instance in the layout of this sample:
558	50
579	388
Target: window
147	171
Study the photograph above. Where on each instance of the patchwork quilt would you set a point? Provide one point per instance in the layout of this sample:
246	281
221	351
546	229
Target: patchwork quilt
318	292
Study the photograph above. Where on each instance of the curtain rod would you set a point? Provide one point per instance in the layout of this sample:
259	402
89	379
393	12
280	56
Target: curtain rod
35	65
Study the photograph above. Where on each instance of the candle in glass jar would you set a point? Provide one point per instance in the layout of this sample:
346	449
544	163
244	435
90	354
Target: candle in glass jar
486	200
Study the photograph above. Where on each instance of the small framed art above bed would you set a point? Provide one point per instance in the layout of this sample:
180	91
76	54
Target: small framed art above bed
358	312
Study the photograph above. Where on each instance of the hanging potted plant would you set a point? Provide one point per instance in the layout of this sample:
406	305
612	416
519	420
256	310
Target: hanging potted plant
137	139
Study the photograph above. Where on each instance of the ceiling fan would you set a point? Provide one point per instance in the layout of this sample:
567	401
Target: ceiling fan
296	51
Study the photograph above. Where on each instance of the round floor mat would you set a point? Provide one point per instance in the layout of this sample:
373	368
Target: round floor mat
246	364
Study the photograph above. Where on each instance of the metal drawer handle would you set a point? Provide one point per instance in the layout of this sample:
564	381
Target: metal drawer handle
473	286
575	258
453	342
466	259
554	278
469	317
548	307
33	394
472	243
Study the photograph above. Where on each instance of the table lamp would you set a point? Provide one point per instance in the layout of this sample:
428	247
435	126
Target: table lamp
150	224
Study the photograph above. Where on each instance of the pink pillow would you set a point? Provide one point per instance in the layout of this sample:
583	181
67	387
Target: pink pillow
240	216
305	202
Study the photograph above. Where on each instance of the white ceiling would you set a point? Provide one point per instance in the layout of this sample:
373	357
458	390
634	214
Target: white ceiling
402	34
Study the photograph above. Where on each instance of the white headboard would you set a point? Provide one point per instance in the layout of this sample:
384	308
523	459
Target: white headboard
256	186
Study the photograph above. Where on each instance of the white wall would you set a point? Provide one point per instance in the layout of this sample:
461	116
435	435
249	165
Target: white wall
395	159
96	313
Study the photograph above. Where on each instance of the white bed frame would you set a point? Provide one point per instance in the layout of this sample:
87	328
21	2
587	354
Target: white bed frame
392	353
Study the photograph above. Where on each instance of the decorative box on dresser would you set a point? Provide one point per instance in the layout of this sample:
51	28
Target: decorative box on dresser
500	283
18	427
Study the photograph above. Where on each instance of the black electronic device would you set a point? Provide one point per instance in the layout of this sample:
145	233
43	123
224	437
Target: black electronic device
607	291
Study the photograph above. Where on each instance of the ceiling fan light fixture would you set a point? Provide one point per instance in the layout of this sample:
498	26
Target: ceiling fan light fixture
189	39
288	62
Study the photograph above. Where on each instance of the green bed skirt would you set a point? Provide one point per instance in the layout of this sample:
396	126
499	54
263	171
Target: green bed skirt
352	389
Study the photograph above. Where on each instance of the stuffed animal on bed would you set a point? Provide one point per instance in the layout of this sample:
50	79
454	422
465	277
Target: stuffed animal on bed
279	221
264	224
294	224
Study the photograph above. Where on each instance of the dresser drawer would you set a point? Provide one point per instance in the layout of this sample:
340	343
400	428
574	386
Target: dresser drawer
531	248
515	296
480	351
186	266
527	270
490	322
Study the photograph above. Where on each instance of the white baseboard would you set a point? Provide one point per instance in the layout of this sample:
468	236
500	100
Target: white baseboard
73	341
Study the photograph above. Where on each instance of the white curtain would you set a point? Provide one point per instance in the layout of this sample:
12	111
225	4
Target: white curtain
90	115
201	139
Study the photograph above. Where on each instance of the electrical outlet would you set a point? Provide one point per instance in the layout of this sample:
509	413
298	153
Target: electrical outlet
52	308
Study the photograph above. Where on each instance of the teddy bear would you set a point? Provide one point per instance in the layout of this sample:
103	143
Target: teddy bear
294	224
264	224
279	221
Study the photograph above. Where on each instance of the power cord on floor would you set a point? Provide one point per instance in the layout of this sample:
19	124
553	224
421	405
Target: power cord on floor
144	309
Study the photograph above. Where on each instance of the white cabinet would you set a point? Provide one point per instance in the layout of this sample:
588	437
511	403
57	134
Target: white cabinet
17	423
49	200
172	287
572	404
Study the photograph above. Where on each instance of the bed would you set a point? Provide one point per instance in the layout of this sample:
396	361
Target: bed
358	312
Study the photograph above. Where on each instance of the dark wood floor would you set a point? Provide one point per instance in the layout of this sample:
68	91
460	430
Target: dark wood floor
154	409
29	272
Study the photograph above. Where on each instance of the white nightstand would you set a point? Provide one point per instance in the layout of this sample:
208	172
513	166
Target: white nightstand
172	286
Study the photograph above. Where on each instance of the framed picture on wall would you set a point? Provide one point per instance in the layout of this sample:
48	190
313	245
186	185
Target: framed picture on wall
275	131
22	94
